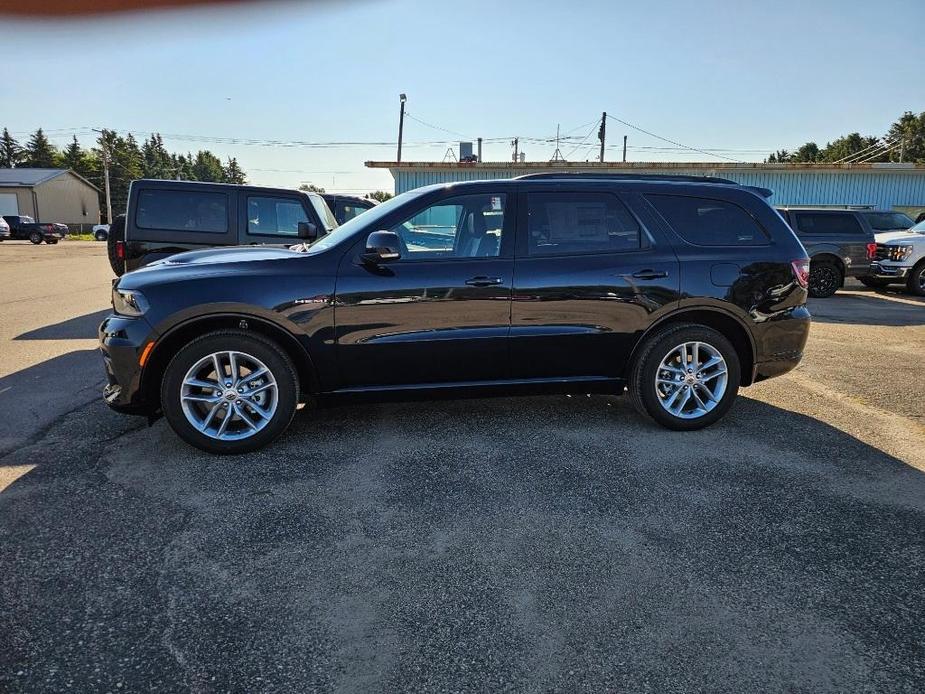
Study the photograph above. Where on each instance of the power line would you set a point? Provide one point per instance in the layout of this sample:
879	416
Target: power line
665	139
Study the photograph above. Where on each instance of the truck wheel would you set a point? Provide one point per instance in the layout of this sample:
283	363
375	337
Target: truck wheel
874	282
50	241
35	237
824	280
116	233
685	377
915	283
101	235
229	392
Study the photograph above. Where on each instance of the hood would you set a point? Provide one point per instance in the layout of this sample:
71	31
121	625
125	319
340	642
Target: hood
899	236
226	254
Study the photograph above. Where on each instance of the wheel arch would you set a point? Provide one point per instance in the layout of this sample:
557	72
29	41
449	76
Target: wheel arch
168	344
828	257
728	325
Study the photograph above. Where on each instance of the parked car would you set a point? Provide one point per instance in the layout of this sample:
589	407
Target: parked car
168	217
899	259
883	221
346	207
680	291
24	227
4	230
101	232
840	244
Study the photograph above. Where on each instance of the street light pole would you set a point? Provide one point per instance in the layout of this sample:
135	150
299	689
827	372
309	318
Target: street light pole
401	123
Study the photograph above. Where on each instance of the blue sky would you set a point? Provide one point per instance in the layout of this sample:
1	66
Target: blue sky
733	75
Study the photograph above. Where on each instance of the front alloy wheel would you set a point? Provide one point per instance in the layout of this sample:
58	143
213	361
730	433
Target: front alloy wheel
229	392
824	280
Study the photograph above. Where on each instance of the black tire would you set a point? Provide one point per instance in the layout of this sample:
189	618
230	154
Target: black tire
36	238
101	235
824	279
874	282
51	241
116	233
643	371
915	282
257	346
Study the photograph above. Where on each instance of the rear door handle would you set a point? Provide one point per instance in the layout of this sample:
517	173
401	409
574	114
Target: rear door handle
482	281
650	274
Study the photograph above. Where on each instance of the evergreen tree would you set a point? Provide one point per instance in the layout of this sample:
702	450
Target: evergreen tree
40	153
208	167
11	152
382	196
233	173
909	132
76	158
156	161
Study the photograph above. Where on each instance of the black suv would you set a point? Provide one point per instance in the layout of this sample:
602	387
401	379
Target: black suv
346	207
840	244
168	217
680	291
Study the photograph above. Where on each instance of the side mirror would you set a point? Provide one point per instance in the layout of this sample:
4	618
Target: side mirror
308	231
382	247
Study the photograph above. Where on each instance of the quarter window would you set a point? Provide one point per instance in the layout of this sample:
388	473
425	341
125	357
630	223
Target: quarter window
469	226
827	223
569	223
706	222
276	216
176	210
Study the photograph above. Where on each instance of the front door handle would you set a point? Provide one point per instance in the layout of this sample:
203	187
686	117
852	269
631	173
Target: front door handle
650	275
483	281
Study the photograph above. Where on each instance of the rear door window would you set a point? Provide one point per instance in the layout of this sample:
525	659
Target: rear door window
707	222
176	210
573	223
272	216
827	223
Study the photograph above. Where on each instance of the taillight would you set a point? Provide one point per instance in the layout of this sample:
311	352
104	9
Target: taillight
871	251
800	269
120	250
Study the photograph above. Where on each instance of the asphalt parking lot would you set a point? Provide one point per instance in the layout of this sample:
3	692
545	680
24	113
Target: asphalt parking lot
545	543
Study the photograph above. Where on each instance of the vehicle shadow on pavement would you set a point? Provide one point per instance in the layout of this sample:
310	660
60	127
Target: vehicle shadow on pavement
82	327
869	308
554	543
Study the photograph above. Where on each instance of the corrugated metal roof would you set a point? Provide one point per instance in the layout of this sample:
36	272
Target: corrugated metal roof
28	177
883	186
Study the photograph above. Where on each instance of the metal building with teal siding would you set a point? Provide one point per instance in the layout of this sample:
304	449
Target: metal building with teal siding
880	186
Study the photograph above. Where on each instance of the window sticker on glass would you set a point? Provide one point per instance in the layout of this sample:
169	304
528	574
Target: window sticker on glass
496	202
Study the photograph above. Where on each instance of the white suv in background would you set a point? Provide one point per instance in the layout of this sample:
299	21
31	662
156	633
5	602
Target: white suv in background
899	258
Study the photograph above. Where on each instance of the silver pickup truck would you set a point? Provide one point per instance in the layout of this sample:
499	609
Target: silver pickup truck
840	244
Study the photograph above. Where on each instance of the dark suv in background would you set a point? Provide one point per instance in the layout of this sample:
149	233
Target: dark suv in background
680	291
840	244
346	207
168	217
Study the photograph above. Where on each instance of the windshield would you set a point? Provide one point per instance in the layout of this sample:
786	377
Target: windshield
888	221
919	228
368	219
324	212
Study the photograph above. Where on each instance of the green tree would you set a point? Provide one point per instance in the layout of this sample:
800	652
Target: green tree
380	196
233	173
11	152
852	145
781	156
155	159
40	153
78	160
207	167
909	132
807	153
311	188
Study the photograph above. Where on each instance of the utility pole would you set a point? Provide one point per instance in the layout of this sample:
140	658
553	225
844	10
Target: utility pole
514	145
480	150
624	149
105	149
401	122
602	133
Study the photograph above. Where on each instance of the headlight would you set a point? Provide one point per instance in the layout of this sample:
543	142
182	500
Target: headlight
899	253
128	302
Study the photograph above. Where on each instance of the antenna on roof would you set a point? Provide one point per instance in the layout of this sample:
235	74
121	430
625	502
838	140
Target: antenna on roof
557	155
449	156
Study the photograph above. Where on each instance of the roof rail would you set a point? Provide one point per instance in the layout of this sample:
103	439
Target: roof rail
629	177
679	178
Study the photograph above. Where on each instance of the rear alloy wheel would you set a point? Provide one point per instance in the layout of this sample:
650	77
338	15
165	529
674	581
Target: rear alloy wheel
101	236
915	283
229	392
35	237
685	377
824	280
